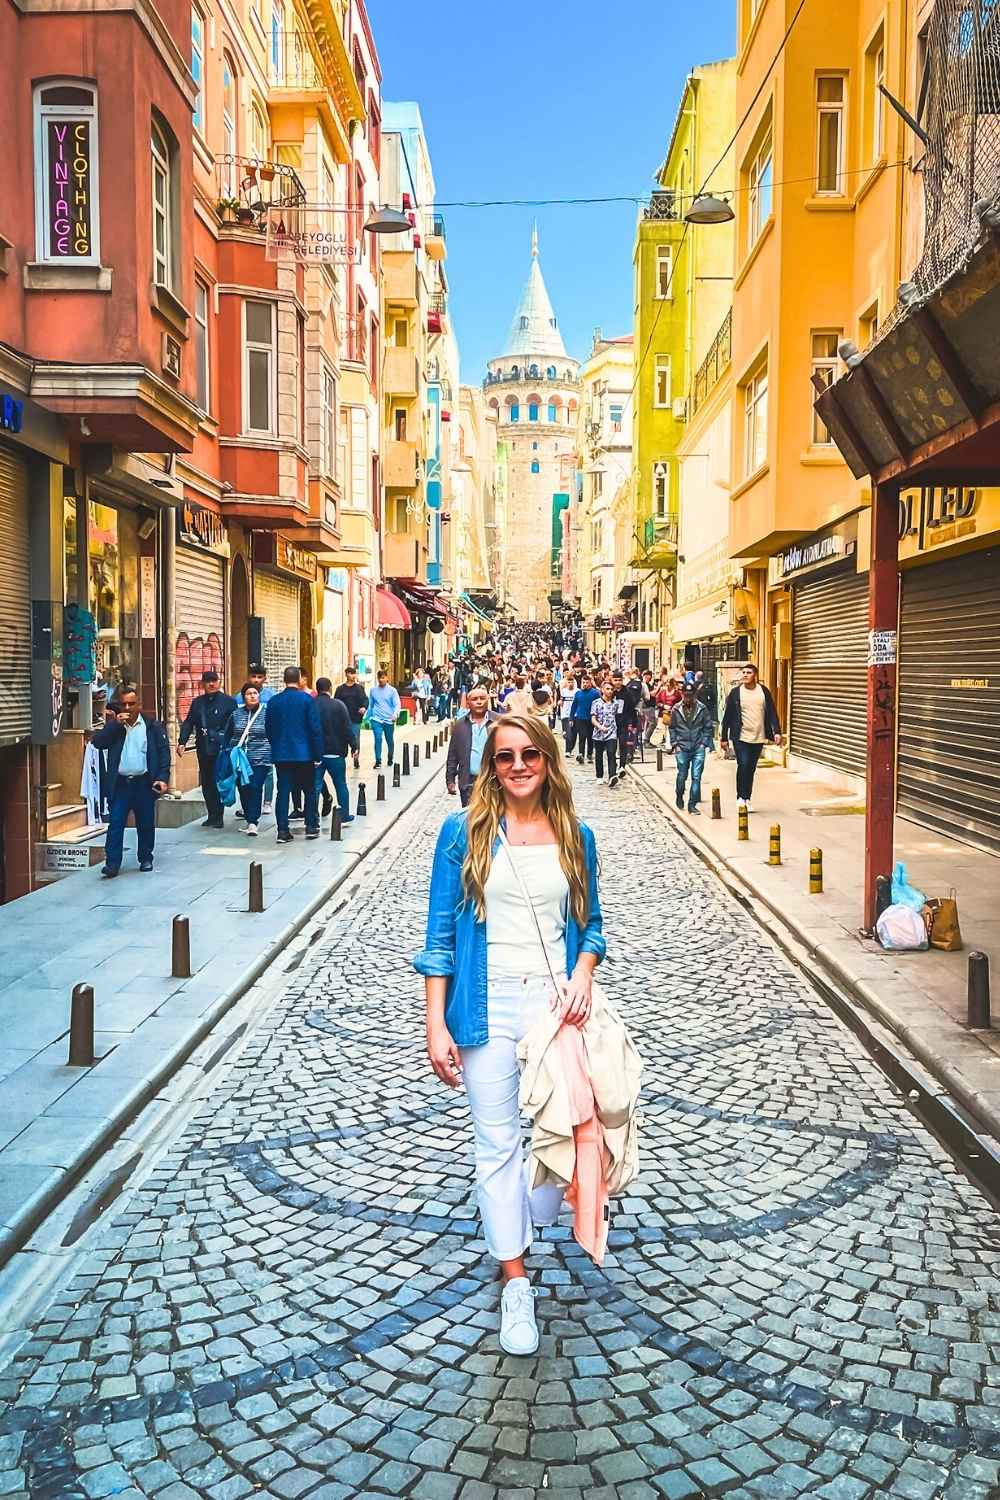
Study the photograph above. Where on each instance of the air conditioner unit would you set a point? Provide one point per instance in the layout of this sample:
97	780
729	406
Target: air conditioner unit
680	409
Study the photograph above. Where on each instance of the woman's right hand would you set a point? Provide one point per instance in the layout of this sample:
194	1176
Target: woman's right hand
444	1056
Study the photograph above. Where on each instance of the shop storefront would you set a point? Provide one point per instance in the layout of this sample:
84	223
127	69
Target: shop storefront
828	710
949	662
283	579
333	656
199	642
15	598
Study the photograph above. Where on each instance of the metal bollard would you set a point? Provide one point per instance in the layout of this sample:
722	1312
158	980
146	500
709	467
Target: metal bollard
180	948
256	886
815	872
335	826
743	823
427	750
716	802
362	811
406	759
396	780
380	788
659	760
416	756
979	992
774	848
81	1027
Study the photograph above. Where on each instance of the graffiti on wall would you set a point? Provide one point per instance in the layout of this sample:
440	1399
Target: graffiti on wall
193	655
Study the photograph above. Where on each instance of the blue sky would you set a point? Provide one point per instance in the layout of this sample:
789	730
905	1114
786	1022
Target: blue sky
544	101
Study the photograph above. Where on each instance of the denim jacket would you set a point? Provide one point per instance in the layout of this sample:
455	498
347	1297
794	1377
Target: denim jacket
456	940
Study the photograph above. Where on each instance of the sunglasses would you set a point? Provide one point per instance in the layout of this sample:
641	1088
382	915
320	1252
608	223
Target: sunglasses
530	759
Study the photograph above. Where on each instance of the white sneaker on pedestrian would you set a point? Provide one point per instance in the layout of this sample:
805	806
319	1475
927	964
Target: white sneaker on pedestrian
268	808
518	1330
748	806
741	802
251	830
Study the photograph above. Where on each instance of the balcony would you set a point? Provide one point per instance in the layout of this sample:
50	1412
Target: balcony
247	187
714	363
404	556
657	547
661	205
401	470
435	244
292	67
437	321
400	372
399	278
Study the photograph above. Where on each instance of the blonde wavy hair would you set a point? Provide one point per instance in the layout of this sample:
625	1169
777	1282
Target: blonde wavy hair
486	808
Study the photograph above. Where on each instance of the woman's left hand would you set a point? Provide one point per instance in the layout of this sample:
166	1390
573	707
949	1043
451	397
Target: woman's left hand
577	1000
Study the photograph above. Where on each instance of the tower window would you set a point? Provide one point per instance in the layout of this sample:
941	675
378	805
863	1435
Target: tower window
524	322
533	412
536	467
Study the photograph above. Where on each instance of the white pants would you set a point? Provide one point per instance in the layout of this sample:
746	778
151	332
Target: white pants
509	1212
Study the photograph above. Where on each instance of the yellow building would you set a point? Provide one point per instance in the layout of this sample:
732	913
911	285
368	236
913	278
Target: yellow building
604	456
671	261
818	256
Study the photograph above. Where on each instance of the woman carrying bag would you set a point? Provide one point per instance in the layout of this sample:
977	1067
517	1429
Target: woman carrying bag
248	734
488	976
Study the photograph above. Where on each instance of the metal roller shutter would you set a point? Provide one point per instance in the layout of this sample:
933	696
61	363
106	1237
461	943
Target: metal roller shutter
949	698
277	599
15	600
200	616
830	671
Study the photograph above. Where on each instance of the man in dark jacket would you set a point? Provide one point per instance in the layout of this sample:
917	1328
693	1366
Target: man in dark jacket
292	724
691	734
138	772
335	725
750	720
208	719
354	698
465	748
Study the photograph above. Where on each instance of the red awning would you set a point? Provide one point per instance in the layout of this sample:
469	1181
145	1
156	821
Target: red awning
392	612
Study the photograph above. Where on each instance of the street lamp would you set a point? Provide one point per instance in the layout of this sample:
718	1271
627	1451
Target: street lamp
388	221
708	209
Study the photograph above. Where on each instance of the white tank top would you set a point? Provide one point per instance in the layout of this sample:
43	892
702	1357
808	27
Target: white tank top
512	945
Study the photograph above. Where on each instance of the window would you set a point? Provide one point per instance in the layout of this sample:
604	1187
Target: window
553	412
300	378
661	381
661	491
328	427
374	133
551	372
830	92
824	364
400	333
874	99
664	270
67	222
400	424
760	184
163	250
868	325
536	467
755	422
258	133
597	484
277	39
258	367
533	412
524	322
229	125
616	413
515	412
198	67
201	347
535	447
533	371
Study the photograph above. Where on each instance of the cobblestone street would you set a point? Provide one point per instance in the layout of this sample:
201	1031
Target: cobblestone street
801	1296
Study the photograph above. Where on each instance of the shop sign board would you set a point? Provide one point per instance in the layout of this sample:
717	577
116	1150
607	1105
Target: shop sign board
942	515
836	544
147	596
68	157
313	232
11	413
295	560
203	527
63	859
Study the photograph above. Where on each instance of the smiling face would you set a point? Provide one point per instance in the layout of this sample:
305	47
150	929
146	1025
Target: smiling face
521	768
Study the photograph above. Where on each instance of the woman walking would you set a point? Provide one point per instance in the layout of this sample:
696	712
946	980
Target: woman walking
487	977
246	730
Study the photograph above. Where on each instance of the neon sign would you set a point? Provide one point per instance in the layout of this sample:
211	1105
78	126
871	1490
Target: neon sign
69	164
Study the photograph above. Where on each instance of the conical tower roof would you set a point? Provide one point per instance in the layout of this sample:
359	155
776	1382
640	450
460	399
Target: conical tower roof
535	330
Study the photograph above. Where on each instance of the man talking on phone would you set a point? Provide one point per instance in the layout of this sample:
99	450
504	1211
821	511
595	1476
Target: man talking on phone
138	773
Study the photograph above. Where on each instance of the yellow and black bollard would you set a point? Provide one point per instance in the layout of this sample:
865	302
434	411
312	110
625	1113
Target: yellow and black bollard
815	872
774	848
716	802
743	818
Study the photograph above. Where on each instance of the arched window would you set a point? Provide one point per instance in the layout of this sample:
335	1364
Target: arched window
515	412
229	138
536	467
514	372
524	322
551	372
553	412
533	411
67	211
533	372
258	133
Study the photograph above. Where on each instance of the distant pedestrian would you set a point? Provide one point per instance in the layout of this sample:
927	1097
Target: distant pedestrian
293	728
354	698
648	705
750	720
691	738
138	772
468	740
442	694
208	720
422	689
247	731
604	728
335	723
567	692
257	677
583	729
384	709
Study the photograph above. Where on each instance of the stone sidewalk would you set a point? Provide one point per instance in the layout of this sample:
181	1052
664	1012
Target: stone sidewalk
116	936
921	997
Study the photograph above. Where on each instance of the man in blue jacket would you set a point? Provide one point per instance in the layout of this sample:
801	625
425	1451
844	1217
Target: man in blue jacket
138	772
581	728
293	728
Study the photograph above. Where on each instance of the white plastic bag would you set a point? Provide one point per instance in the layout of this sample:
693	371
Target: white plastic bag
902	929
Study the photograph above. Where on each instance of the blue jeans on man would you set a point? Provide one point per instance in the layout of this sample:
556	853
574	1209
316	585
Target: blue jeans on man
388	731
442	706
252	794
133	794
296	776
747	756
335	766
693	761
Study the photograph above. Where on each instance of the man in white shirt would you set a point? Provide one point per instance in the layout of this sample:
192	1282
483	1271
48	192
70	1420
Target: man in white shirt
138	773
749	722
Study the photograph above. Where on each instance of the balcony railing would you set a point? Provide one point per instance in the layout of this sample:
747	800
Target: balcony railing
292	65
248	187
522	376
661	205
437	226
714	363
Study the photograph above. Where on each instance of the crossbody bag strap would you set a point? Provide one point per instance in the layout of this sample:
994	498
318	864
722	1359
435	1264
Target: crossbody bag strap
531	907
246	733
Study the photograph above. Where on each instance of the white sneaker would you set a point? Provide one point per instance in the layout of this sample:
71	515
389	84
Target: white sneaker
518	1330
251	830
741	802
268	807
747	806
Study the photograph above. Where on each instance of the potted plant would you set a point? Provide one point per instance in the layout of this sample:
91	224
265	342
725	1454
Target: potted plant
244	214
228	208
